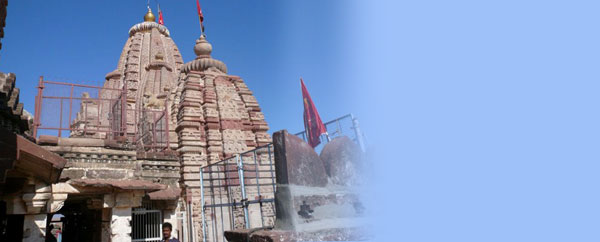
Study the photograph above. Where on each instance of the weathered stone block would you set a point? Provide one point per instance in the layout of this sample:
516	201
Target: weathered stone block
297	163
106	174
342	160
47	140
72	173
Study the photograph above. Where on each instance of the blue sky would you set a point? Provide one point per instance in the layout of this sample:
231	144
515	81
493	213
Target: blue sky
270	44
482	116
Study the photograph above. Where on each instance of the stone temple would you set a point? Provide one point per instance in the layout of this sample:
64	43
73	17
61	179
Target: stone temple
138	161
166	141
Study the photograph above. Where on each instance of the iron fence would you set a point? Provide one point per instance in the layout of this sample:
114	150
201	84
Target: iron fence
238	192
74	110
346	125
146	225
153	130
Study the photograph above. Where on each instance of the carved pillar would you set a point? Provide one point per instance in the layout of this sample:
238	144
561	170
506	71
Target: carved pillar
56	202
36	201
120	219
120	228
105	233
34	227
190	130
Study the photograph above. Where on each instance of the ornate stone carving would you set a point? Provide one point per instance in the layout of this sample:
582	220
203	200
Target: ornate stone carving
120	226
57	202
153	102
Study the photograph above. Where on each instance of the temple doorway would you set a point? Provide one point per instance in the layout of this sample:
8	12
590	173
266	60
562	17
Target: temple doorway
79	222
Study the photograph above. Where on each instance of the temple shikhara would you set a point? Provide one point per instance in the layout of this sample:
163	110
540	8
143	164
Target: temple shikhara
163	140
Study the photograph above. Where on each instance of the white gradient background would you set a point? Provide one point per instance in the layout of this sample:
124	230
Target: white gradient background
484	118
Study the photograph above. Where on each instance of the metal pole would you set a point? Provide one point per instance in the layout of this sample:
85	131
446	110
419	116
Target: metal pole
358	134
85	119
271	167
154	140
70	107
202	205
38	108
221	189
185	227
262	221
124	110
166	120
213	201
231	216
191	209
60	118
244	198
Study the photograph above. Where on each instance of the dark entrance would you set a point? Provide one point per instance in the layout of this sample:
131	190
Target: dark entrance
80	223
11	226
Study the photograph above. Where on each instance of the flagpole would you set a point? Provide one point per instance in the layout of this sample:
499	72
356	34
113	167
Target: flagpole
201	26
200	17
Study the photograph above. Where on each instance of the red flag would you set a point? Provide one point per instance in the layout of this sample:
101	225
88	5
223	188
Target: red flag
160	17
200	15
312	121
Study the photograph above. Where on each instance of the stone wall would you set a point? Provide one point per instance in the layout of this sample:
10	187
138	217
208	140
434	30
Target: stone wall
91	158
160	167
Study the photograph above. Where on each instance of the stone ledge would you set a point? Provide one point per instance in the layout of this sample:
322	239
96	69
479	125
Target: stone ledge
78	142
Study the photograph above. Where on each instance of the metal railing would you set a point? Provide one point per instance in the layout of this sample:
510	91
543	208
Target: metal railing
146	225
153	129
75	110
238	192
83	104
346	125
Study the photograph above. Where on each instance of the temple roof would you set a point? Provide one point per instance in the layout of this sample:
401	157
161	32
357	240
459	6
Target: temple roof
146	26
148	50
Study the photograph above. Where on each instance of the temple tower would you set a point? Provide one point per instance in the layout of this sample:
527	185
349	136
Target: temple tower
217	117
147	70
149	66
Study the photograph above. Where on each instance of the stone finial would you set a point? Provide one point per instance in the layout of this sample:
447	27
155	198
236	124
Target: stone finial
203	61
202	47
